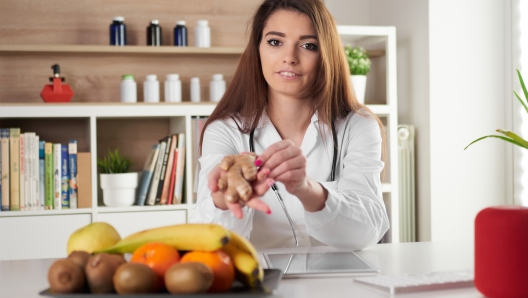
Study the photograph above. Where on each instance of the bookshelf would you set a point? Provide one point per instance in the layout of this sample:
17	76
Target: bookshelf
133	127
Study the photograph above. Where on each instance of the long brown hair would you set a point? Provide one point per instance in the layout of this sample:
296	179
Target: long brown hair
332	93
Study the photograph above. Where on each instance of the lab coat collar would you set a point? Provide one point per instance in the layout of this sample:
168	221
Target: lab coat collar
265	120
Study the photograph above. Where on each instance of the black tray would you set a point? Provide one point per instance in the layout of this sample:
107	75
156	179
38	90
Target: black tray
272	278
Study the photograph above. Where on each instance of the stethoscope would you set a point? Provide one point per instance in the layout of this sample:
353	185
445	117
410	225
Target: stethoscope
276	190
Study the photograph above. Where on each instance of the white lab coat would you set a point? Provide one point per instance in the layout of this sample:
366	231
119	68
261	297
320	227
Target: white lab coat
354	216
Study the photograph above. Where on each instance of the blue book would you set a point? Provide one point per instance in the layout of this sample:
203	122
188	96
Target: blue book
41	175
4	169
72	162
65	178
146	175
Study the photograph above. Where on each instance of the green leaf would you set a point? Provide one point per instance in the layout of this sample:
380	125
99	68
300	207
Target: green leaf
498	137
521	101
522	85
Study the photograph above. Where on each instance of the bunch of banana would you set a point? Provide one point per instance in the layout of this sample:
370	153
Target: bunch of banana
203	237
245	259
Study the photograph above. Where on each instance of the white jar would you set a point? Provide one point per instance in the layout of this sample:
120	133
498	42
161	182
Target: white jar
217	87
173	88
195	89
128	89
202	34
151	89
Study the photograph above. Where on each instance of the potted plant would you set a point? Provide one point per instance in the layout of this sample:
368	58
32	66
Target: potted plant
118	184
359	64
500	236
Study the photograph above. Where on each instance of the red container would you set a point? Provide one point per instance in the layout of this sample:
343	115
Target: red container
501	251
56	92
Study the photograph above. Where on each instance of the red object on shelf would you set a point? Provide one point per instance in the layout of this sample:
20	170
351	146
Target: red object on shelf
501	251
56	92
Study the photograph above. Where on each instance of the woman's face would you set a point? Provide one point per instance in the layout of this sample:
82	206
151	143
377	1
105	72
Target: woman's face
289	53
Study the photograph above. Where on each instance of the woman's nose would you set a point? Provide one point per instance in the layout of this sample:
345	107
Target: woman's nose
290	56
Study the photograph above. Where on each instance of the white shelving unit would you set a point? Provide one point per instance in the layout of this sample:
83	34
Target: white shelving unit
51	228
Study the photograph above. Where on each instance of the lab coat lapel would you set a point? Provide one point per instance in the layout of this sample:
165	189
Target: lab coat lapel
310	137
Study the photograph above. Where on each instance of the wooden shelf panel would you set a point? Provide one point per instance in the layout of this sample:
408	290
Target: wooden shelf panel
119	49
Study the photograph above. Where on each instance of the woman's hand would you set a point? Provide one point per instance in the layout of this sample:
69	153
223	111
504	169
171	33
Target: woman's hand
260	186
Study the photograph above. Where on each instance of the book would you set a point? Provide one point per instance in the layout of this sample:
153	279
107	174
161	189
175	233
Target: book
48	175
146	175
28	168
161	182
84	180
4	143
168	170
178	184
14	169
65	178
151	198
36	173
57	192
42	180
173	176
72	163
22	172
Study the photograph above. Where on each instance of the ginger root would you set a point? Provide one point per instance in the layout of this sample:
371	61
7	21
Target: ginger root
240	171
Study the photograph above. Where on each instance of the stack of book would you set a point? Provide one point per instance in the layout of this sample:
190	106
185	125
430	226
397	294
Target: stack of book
162	176
36	174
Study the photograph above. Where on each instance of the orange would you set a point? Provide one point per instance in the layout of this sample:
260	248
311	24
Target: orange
158	256
220	263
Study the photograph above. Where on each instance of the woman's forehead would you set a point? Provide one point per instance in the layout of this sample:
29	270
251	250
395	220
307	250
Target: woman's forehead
291	23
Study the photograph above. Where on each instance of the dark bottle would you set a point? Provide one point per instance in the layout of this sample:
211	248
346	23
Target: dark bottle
118	32
180	34
154	34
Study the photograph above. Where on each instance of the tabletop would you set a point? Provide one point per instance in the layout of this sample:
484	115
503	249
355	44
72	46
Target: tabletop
26	278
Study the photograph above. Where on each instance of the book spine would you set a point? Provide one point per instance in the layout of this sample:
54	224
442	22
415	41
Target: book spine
65	178
155	179
36	174
163	170
84	180
57	192
48	175
164	197
146	175
14	168
28	168
72	163
22	172
178	191
173	177
42	179
4	143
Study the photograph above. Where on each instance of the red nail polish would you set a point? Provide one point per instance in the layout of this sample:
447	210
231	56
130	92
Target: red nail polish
258	162
269	211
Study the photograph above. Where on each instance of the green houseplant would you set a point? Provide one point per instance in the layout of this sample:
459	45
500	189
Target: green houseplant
359	64
118	184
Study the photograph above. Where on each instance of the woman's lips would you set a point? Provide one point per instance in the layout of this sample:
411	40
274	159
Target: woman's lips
288	75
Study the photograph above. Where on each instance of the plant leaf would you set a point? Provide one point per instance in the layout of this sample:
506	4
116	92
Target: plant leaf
498	137
522	102
522	85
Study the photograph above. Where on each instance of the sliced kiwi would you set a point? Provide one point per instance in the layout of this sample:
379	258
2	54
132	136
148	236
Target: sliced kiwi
100	270
135	278
188	278
65	276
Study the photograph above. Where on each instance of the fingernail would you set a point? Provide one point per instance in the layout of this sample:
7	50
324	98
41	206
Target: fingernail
258	162
270	182
266	172
268	212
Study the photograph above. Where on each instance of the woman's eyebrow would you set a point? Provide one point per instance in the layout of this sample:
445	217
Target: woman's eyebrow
284	35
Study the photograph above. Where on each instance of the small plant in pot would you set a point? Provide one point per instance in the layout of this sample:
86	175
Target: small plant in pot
359	65
118	184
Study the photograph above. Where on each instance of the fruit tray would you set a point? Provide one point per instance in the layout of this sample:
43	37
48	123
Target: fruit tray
272	278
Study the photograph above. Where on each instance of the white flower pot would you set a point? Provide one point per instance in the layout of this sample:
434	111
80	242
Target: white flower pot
119	190
359	83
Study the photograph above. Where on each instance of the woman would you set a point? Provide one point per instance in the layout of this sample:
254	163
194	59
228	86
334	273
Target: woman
291	99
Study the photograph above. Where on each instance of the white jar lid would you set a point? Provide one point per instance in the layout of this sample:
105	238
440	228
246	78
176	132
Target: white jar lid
218	77
155	22
173	77
182	23
195	80
151	77
202	23
119	19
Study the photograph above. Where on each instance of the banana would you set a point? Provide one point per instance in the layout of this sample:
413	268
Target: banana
246	260
204	237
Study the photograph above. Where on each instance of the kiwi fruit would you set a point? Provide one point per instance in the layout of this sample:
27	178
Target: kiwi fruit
188	278
65	276
100	270
79	257
135	278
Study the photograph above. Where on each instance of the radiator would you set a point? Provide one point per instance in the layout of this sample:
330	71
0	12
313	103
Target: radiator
406	183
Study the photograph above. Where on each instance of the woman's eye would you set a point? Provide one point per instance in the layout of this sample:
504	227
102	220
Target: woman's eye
273	42
310	46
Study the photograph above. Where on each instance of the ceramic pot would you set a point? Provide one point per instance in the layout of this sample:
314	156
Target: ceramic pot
119	190
359	84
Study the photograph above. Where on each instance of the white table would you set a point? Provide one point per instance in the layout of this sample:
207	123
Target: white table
26	278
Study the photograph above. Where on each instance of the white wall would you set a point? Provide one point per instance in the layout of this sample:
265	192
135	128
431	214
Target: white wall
466	101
